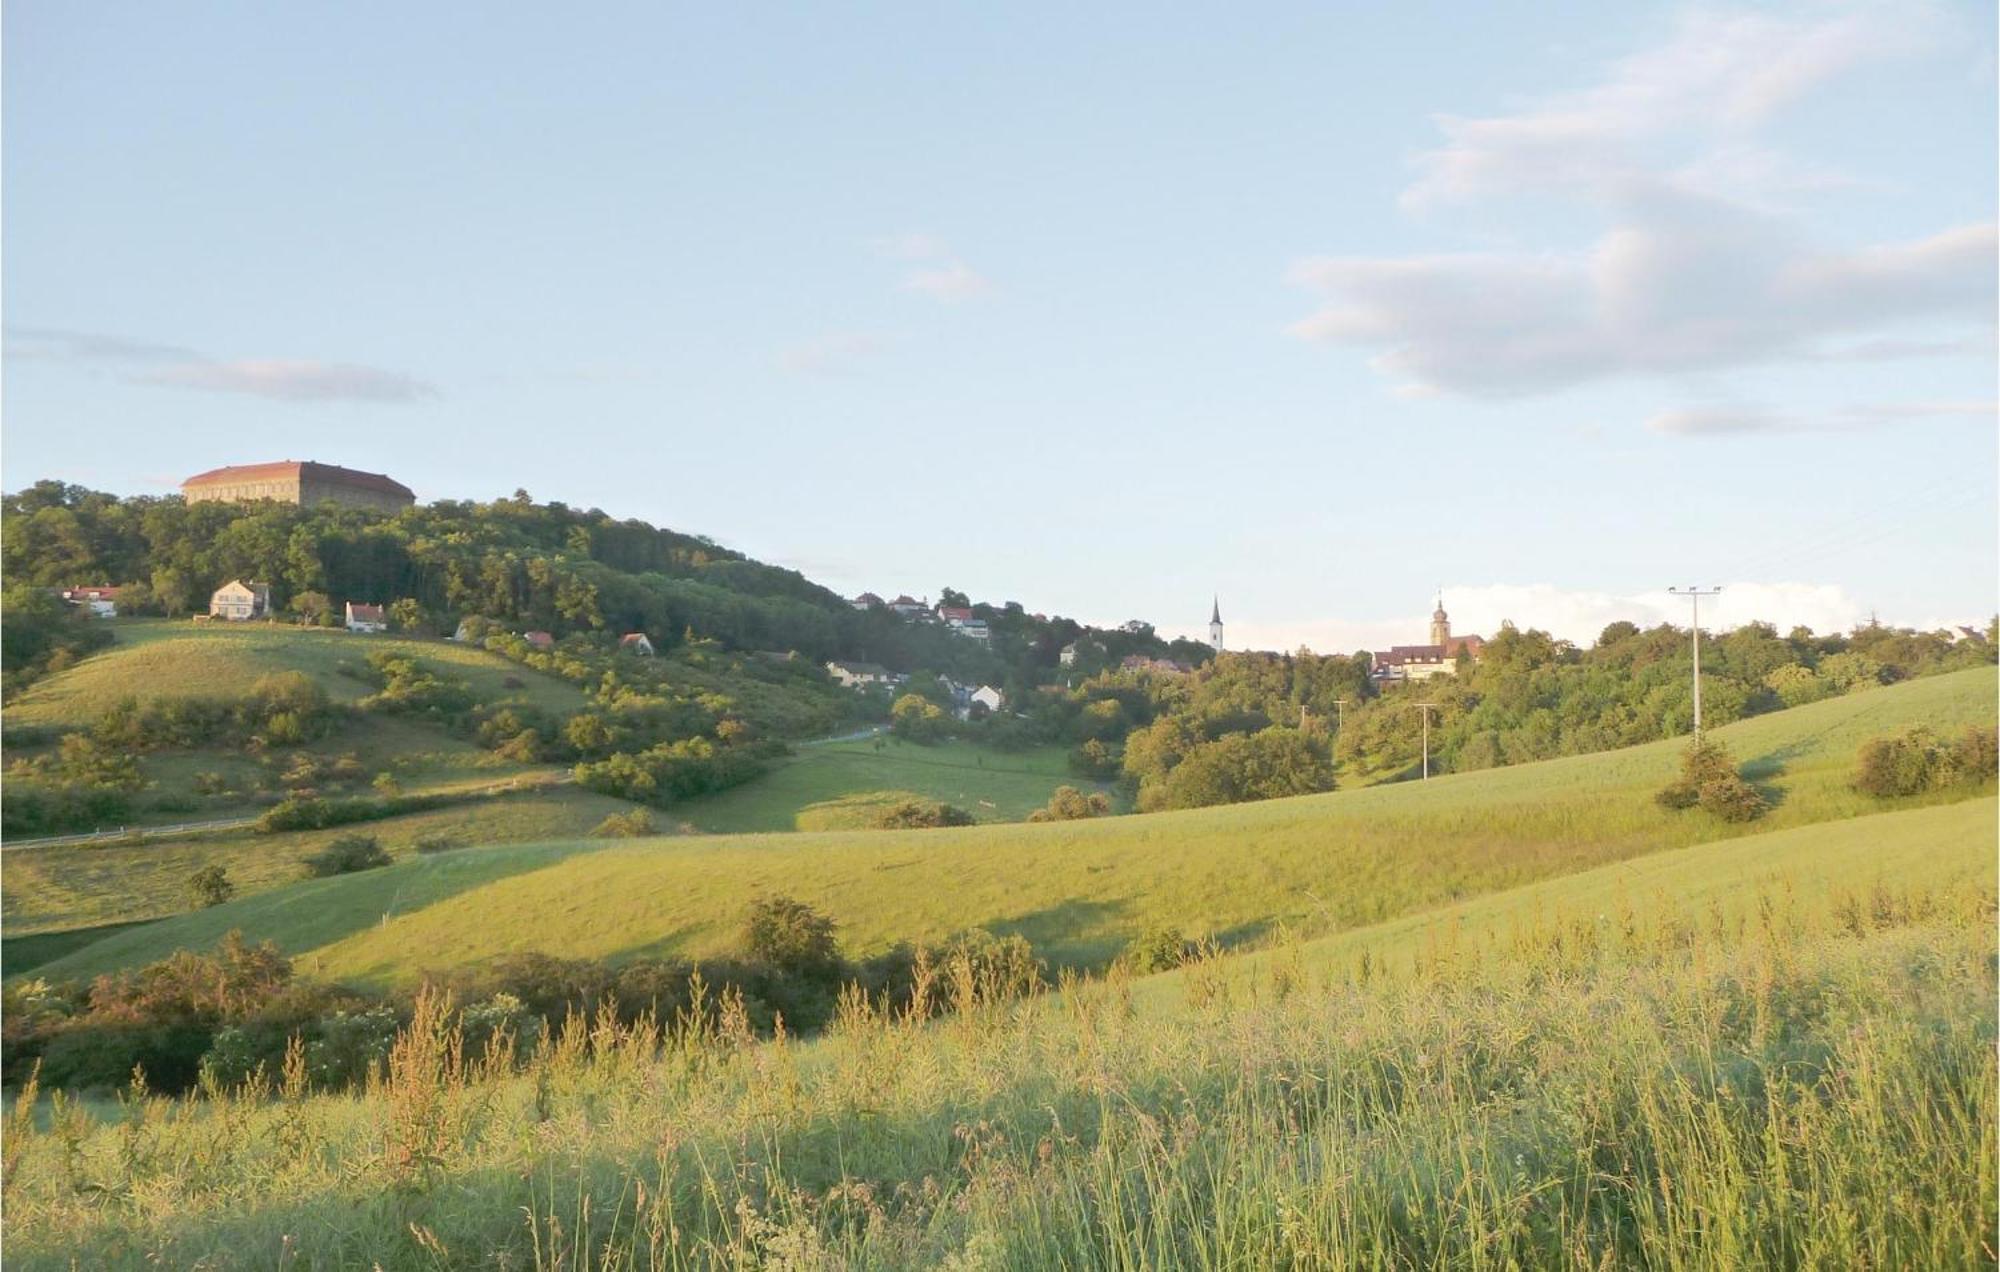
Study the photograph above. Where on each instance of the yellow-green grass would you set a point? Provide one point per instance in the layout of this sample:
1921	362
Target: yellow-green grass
155	658
1813	1087
1080	891
1948	848
87	885
834	785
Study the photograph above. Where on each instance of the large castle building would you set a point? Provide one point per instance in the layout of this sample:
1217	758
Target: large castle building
299	482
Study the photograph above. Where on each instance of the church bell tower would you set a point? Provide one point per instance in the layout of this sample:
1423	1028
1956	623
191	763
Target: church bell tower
1440	624
1215	624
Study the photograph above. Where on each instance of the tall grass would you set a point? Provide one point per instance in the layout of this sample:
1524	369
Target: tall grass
1804	1081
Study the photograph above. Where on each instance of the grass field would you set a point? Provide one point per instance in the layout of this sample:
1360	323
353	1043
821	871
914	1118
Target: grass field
1802	1077
1080	891
156	658
817	788
85	885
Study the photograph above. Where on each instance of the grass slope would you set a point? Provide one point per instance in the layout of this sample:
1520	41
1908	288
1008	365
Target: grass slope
826	784
1079	891
1811	1087
156	658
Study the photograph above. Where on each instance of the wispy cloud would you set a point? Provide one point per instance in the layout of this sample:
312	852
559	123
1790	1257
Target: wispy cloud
293	380
54	344
1693	271
835	353
943	275
1737	419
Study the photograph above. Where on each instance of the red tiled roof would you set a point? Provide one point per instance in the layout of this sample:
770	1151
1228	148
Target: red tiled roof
93	593
304	470
633	638
959	612
538	639
905	599
367	613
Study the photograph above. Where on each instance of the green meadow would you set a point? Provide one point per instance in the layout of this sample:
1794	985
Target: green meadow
842	784
1771	1051
161	658
1079	892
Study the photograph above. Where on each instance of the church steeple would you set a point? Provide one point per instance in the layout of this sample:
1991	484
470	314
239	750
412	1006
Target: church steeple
1440	623
1215	624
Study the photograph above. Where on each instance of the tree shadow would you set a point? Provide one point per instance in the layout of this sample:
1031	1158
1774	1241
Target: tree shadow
1078	933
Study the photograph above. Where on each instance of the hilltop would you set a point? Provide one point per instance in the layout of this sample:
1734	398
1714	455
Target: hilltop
1079	892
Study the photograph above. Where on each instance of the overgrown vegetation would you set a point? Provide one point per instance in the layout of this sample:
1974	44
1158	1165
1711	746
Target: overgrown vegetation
1710	779
1918	760
1802	1081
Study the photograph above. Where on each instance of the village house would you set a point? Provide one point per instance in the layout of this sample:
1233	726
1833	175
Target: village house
366	618
239	602
986	696
865	601
298	482
908	606
955	615
974	629
102	602
859	675
635	643
1402	663
539	640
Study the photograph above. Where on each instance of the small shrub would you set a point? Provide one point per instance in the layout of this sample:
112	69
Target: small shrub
1709	778
791	937
917	814
1158	950
625	825
346	855
209	886
512	682
210	783
1071	804
436	843
1917	760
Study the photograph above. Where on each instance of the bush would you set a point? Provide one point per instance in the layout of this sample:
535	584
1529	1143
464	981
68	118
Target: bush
209	886
1918	760
435	843
348	854
791	937
1158	950
1709	779
1071	804
919	814
625	825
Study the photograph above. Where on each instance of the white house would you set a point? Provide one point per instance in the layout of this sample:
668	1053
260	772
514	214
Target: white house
988	696
238	601
366	618
859	675
974	629
635	643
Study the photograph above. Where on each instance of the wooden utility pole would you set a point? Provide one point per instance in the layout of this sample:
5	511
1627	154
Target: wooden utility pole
1694	595
1339	713
1426	708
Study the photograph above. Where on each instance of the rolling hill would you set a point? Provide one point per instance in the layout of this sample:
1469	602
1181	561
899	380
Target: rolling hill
1077	891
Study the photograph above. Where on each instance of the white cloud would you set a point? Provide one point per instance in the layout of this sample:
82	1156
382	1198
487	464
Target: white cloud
1683	285
944	276
1717	80
953	280
1723	420
1693	270
1569	613
830	354
283	379
293	380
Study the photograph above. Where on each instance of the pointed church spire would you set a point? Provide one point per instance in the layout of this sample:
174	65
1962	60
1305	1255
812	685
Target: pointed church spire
1215	614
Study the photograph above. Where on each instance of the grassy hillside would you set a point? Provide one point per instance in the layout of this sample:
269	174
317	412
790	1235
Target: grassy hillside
1806	1080
825	785
158	658
1080	891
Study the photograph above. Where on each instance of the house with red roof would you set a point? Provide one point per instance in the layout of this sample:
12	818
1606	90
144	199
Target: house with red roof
366	618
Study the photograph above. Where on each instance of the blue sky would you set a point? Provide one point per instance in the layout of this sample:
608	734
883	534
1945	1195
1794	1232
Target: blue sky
1105	311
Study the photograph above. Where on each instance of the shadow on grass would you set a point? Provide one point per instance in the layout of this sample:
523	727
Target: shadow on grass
317	912
1073	933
